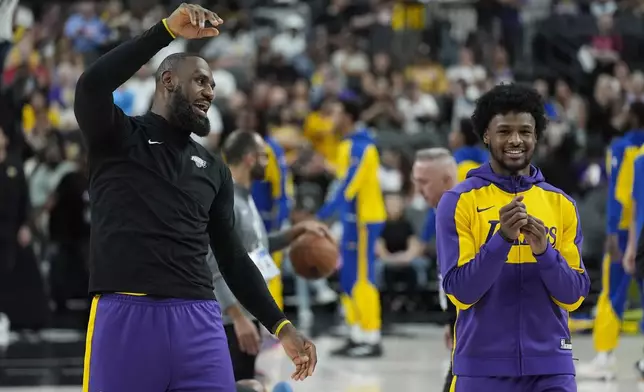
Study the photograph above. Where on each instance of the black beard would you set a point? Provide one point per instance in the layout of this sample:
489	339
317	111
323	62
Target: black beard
513	169
182	115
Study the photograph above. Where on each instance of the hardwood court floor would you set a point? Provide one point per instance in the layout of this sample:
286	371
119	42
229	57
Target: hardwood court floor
414	361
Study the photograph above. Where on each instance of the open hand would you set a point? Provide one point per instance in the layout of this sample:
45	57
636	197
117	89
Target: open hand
189	21
247	335
314	227
535	235
513	217
301	351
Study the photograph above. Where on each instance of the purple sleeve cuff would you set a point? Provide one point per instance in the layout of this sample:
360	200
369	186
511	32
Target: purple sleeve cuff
548	258
499	246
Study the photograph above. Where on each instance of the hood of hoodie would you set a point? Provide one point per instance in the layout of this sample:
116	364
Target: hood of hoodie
510	184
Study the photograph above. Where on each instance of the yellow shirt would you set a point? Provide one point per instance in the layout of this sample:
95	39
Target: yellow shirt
430	78
29	118
318	129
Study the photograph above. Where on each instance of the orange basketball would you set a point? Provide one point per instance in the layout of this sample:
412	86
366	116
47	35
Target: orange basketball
314	256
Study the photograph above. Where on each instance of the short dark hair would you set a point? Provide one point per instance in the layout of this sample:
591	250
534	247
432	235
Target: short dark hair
352	107
467	130
171	62
509	98
238	144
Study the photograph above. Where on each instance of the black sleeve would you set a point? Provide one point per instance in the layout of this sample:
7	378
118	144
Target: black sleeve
24	209
237	268
100	120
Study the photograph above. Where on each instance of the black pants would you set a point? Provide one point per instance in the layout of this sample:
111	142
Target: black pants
243	364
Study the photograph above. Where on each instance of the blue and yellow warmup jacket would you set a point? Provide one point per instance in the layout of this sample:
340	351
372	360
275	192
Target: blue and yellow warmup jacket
638	191
272	195
468	158
358	198
620	162
512	305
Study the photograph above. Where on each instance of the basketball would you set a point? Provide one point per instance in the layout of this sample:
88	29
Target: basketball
314	256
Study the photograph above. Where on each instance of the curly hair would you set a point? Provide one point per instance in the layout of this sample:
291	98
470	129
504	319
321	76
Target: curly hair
509	98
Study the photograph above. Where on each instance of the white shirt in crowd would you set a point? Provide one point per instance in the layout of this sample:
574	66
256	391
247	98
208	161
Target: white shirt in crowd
468	73
411	110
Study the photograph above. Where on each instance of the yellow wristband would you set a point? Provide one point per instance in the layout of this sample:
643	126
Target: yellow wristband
165	23
279	327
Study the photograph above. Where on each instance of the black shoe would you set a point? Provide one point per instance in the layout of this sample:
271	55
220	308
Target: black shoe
342	351
365	351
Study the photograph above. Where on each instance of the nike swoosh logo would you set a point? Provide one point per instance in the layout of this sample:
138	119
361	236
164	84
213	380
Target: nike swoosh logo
482	209
152	142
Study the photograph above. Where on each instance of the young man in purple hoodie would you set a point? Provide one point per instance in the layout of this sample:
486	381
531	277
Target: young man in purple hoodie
509	251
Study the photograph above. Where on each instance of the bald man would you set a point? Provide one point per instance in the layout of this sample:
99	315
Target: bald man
435	172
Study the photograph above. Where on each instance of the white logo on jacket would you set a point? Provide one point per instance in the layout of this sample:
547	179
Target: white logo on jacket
200	163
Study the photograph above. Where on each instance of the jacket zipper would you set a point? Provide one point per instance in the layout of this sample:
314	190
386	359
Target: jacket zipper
515	185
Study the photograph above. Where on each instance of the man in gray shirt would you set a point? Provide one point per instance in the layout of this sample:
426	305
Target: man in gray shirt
246	156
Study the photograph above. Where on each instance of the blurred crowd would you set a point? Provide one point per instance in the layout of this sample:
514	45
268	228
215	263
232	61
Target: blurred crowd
417	67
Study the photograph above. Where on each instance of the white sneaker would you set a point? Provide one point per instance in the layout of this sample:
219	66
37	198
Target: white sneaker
5	330
602	367
326	296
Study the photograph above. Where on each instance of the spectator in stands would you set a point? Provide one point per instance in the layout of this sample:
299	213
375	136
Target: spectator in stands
351	61
381	111
61	94
569	105
398	247
391	172
234	47
226	82
466	69
427	72
50	168
604	105
606	45
291	42
68	232
501	71
635	91
22	294
86	30
600	8
417	109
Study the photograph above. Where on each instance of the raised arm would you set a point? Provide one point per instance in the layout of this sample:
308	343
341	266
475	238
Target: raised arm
98	117
237	268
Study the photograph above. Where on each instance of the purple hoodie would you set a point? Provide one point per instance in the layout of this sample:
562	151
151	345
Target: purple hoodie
512	305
